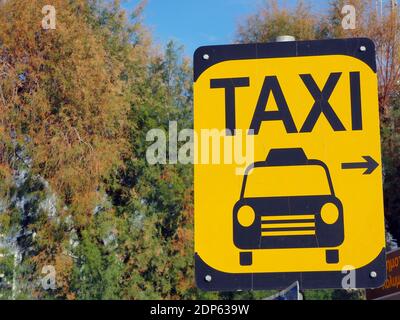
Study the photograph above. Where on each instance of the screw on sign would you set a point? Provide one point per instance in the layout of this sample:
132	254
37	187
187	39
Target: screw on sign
311	203
391	288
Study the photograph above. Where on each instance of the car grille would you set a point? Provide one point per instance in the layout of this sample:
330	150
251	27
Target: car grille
288	225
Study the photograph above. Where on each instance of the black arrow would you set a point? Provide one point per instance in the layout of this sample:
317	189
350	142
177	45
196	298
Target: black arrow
370	165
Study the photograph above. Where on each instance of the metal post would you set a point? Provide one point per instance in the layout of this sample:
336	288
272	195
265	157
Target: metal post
285	38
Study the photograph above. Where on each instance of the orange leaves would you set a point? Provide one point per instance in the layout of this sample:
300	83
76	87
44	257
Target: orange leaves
70	104
63	264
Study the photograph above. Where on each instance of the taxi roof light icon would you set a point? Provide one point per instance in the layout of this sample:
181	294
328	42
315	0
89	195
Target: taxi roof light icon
280	157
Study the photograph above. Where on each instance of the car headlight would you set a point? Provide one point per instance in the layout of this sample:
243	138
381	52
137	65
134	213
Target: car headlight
246	216
329	213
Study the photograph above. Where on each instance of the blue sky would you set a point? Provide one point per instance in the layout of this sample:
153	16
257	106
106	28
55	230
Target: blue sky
194	23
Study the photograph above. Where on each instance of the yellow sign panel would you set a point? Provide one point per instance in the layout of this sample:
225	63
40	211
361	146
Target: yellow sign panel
306	203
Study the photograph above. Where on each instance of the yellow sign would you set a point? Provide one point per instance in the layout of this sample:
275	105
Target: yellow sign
308	207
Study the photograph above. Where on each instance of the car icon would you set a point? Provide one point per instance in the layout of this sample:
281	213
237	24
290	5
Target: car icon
288	201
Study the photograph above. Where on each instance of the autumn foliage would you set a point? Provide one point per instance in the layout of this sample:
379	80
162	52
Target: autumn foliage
61	99
75	104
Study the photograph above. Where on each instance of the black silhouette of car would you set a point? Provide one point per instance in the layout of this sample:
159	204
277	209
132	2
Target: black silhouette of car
304	219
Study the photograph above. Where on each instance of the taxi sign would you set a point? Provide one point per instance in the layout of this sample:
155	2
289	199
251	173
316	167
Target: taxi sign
309	205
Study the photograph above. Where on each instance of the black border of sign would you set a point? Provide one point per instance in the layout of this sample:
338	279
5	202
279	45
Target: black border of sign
360	48
349	47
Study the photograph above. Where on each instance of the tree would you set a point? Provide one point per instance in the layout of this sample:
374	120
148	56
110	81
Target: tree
77	103
62	120
272	20
156	201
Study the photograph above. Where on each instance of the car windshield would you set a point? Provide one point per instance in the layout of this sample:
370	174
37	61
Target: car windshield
305	180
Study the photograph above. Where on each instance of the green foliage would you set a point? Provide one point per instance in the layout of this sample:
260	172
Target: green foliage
336	294
391	156
97	271
6	274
